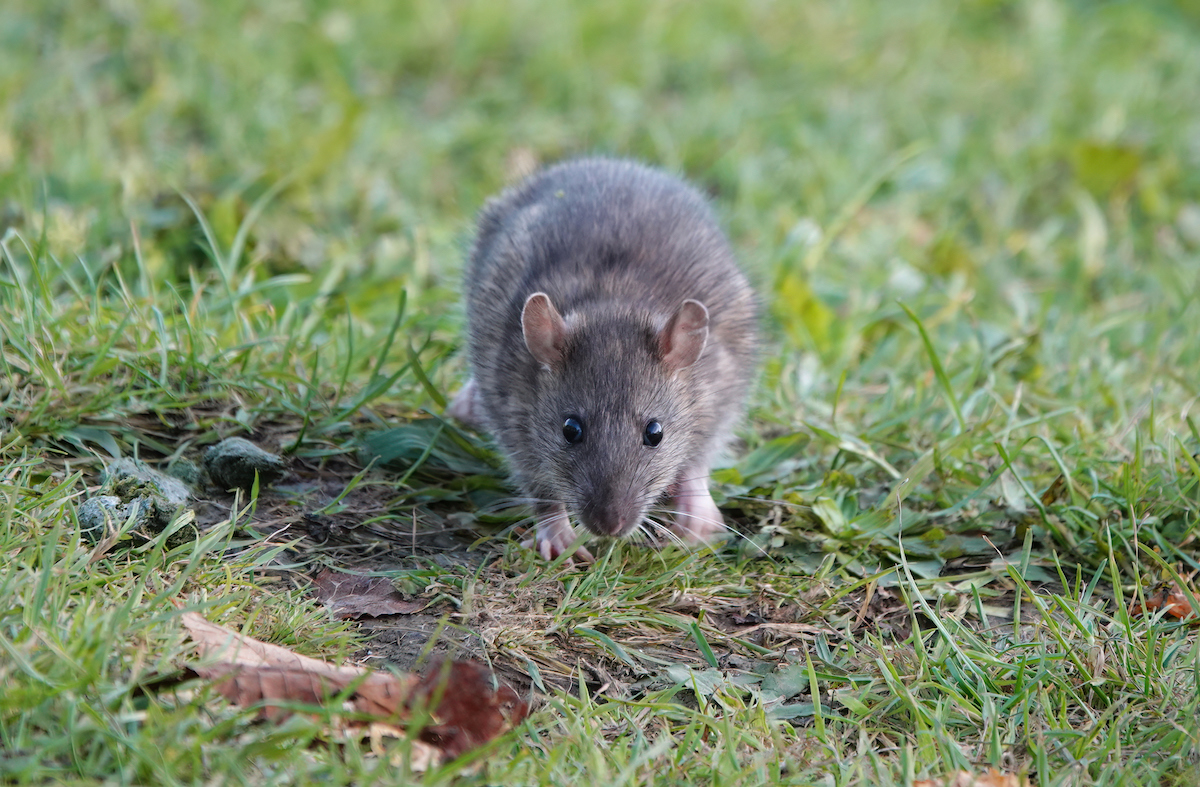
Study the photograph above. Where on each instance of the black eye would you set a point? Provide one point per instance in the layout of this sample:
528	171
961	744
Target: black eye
653	434
573	430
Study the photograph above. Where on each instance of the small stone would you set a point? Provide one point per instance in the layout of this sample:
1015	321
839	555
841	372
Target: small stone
233	463
131	478
96	513
152	515
186	471
133	489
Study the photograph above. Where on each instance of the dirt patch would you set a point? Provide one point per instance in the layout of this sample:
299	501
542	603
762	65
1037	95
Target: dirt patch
486	600
447	542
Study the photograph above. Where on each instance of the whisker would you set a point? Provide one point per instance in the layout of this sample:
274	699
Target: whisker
639	534
666	532
509	529
722	524
652	529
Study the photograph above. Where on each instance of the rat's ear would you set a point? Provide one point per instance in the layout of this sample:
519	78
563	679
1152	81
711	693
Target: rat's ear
544	329
682	339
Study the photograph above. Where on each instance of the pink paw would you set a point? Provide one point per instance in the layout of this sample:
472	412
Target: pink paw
697	518
464	407
555	536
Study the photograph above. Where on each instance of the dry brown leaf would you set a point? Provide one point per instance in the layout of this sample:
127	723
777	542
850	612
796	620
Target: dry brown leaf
993	778
468	712
258	672
461	709
1168	596
1056	492
221	644
353	596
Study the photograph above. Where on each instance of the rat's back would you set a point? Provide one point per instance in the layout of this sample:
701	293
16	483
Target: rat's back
600	230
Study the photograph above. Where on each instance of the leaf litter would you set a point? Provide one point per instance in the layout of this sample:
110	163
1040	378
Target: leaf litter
455	701
353	596
440	536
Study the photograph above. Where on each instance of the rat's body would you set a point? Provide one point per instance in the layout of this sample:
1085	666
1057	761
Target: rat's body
612	338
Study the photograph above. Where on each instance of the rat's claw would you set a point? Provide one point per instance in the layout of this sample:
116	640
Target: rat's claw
542	547
554	537
549	551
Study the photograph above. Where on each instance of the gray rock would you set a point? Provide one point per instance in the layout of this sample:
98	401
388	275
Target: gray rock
130	488
233	463
187	471
137	478
97	514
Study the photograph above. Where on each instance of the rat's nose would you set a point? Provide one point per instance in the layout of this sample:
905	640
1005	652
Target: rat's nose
604	515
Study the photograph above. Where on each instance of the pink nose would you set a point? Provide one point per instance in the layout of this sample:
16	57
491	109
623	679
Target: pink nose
606	520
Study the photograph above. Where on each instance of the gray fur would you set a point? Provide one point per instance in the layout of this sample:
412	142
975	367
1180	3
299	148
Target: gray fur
617	247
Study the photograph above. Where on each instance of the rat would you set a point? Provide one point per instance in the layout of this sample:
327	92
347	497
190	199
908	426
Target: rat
611	338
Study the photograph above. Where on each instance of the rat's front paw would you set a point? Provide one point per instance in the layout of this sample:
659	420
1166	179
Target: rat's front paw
697	518
464	407
555	536
552	550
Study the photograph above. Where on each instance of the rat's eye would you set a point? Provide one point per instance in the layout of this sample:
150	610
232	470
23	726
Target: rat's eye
573	430
653	434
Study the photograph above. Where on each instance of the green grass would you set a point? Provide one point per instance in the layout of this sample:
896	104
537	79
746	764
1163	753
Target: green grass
976	228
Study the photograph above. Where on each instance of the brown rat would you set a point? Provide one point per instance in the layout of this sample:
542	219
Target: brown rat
611	338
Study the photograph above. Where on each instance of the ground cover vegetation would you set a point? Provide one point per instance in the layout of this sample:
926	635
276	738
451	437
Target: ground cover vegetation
969	469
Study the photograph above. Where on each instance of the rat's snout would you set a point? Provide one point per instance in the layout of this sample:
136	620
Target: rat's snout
606	514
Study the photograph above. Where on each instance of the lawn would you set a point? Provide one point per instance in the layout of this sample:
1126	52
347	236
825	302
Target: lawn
969	473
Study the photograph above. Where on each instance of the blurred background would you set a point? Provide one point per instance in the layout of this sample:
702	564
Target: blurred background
1023	173
975	225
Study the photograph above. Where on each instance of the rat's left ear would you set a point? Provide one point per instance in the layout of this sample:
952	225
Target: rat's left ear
682	339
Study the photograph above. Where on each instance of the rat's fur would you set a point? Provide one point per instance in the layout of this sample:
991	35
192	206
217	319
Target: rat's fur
617	247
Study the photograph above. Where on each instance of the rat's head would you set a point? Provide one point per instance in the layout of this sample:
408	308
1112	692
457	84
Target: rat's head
615	421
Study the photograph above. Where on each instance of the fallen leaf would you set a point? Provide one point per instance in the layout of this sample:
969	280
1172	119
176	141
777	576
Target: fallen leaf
993	778
467	711
1056	492
353	596
1168	596
455	701
258	672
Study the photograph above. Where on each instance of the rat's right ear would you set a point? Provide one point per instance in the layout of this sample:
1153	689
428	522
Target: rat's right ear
682	339
544	329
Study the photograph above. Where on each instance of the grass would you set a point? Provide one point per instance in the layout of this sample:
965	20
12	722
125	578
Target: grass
972	450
